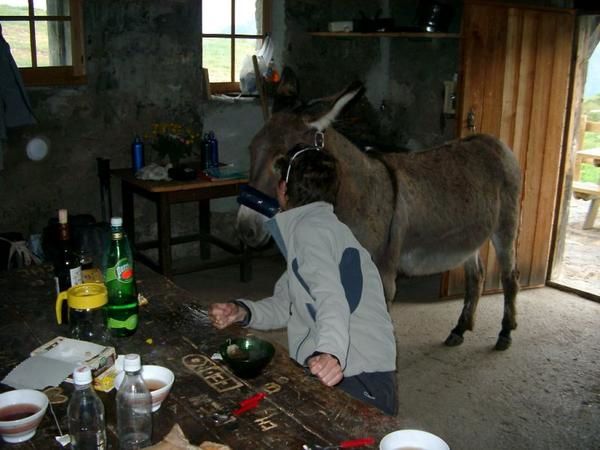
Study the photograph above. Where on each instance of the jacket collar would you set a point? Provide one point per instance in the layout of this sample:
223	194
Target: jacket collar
282	225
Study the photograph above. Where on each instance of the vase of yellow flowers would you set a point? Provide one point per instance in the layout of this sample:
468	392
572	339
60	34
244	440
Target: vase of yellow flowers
173	141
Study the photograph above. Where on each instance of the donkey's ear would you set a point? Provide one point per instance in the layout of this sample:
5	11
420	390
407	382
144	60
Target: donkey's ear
353	92
286	95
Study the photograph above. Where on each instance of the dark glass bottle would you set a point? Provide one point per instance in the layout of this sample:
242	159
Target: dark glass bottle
67	265
121	312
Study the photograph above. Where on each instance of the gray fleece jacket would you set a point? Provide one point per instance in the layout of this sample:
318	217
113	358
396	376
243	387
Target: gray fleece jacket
331	296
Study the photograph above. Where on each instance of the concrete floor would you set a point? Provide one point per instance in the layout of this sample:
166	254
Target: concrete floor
543	393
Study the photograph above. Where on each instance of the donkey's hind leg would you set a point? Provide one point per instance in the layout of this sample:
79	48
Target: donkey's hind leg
474	279
504	246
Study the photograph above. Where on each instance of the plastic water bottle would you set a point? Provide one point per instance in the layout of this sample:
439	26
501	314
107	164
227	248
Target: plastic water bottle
85	412
134	407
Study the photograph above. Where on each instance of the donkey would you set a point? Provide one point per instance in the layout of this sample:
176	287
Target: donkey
417	213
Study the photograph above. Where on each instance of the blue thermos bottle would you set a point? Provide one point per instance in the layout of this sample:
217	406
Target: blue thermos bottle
205	156
214	149
137	154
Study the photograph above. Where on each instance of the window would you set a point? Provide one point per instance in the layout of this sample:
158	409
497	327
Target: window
46	39
231	29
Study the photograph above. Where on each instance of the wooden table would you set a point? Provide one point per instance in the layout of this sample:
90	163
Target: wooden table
175	333
166	193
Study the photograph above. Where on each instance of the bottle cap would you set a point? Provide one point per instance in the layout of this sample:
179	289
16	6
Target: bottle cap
116	221
82	375
62	216
132	362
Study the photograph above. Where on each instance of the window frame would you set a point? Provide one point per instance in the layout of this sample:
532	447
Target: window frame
74	74
234	86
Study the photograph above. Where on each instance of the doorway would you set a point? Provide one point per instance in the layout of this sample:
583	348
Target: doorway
576	258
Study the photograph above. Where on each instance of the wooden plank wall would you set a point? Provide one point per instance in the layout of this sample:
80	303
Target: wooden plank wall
515	73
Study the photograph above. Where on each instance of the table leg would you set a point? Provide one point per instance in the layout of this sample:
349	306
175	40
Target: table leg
163	212
591	214
128	214
246	263
204	224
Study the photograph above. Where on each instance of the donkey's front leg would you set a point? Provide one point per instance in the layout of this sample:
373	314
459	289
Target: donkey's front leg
474	279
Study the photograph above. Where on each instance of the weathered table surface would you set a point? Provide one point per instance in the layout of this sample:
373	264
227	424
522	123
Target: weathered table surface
175	333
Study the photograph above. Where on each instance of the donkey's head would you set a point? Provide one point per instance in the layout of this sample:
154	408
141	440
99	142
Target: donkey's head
291	123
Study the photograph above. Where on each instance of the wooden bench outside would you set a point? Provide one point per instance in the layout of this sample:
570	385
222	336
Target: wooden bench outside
588	191
585	190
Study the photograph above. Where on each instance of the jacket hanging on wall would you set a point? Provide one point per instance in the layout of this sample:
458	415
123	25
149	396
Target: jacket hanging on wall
15	109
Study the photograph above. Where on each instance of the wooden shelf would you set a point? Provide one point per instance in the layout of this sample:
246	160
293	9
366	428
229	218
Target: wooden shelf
399	34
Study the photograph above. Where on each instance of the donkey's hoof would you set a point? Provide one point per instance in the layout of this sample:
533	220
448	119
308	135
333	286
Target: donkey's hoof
453	340
503	342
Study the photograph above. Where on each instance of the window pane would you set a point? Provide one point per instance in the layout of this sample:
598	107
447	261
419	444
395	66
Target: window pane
216	16
14	8
17	36
51	7
53	43
243	47
216	57
248	16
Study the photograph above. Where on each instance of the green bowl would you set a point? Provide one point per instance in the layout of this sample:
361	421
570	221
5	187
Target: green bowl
247	356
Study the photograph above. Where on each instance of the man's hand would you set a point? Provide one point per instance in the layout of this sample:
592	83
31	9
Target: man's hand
326	368
224	314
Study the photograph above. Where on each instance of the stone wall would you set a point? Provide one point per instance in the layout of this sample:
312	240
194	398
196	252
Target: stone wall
143	66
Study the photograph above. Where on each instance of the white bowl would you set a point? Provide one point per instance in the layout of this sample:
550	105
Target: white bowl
412	439
13	402
154	376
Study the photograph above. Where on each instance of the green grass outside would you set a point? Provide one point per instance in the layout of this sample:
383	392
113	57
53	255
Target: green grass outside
591	108
17	35
215	56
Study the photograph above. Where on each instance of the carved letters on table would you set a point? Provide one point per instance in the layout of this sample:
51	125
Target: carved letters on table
221	381
211	373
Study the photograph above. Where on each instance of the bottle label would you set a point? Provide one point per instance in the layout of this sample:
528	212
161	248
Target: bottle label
100	443
129	324
121	272
76	276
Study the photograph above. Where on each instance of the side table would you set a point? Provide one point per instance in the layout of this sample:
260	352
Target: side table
166	193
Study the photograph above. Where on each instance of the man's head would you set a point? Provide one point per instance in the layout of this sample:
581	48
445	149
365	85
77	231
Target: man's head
307	174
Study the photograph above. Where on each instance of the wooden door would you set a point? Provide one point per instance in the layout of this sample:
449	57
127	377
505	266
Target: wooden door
514	78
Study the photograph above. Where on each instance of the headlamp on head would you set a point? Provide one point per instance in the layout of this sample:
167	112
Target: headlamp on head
295	152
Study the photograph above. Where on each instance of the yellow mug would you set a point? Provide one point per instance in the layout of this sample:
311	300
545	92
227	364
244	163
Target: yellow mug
82	297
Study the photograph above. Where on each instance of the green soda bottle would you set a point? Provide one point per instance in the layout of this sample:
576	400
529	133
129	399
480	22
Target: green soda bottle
121	311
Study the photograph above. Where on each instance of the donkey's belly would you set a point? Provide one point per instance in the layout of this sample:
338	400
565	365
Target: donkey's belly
441	252
418	262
